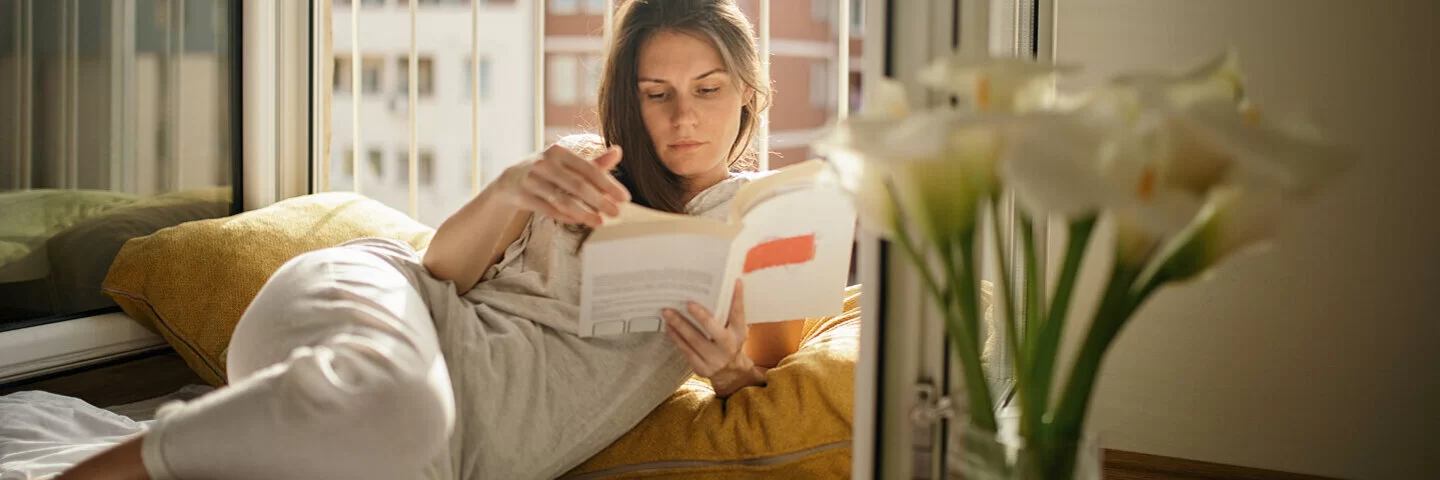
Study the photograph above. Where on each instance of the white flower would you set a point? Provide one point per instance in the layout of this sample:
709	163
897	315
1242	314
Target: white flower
852	146
1279	166
1219	77
988	84
945	168
1134	147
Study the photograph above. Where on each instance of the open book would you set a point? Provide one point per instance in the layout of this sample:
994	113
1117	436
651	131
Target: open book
788	237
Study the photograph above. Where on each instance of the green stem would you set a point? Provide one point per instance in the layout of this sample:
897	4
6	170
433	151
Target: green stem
1034	301
963	325
1115	308
978	391
1043	357
1012	331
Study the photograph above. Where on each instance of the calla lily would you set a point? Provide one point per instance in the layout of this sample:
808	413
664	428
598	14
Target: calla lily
1133	148
853	146
1218	77
1278	165
989	84
945	167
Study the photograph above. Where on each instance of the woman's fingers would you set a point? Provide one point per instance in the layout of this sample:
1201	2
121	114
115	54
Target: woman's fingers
534	203
711	324
555	167
550	194
697	362
600	173
707	348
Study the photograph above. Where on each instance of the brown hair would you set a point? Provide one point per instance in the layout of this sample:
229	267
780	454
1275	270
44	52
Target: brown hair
651	184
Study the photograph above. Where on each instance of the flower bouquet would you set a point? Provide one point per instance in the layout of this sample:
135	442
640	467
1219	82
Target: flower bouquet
1184	168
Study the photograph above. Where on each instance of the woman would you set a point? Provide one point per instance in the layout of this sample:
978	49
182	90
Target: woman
370	360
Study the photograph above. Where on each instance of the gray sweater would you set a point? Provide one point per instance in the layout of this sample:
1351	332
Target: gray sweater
533	399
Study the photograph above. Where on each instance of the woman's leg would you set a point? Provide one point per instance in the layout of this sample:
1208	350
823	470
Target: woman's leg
335	372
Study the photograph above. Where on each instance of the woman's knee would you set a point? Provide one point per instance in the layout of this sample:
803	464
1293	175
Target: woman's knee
377	398
319	294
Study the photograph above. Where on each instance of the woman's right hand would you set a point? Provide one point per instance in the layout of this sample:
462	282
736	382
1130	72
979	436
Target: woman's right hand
561	185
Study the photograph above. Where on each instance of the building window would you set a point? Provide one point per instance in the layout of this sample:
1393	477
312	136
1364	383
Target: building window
376	160
347	163
822	85
562	7
857	17
370	71
820	10
561	81
341	83
468	75
425	167
424	72
595	7
593	68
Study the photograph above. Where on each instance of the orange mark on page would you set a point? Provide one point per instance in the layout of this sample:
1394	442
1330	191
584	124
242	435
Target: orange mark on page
781	252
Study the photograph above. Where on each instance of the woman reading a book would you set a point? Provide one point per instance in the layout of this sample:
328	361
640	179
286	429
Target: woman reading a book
371	360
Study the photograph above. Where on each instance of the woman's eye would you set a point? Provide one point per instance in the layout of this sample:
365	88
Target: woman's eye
655	96
709	91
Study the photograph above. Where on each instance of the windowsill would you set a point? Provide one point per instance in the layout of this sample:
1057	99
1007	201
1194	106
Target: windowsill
59	346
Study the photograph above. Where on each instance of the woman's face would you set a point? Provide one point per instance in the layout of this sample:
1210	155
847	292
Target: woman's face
690	104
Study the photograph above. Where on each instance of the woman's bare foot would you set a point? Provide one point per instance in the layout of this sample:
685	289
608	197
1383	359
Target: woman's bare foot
120	463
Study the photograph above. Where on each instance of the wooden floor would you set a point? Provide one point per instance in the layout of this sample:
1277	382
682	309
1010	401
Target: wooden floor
157	374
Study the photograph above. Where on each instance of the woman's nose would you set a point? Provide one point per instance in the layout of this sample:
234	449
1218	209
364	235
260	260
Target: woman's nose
684	113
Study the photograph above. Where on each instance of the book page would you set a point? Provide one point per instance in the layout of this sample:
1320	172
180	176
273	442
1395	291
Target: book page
793	254
627	280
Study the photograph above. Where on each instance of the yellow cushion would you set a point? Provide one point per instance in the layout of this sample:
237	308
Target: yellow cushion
797	426
190	283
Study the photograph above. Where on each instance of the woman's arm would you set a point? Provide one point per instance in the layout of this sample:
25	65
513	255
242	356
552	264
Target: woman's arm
558	184
119	463
771	342
466	245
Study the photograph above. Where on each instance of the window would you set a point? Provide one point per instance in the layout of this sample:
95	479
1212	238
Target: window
561	81
370	71
468	74
593	68
347	163
502	75
425	167
376	160
857	18
562	7
822	88
424	72
820	10
342	75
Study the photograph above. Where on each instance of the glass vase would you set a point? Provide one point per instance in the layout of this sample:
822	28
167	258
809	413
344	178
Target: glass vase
977	454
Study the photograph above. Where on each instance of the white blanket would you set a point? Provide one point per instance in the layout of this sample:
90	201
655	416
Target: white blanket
43	434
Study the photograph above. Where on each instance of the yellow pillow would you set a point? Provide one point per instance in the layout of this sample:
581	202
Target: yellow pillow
797	426
190	283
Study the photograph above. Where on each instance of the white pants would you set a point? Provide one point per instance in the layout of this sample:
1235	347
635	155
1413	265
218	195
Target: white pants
335	372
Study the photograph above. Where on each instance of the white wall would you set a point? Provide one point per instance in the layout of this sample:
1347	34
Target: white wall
1319	356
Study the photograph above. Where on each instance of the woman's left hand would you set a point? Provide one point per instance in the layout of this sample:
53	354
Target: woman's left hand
721	358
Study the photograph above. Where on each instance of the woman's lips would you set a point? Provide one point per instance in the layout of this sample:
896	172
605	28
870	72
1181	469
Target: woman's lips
686	146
